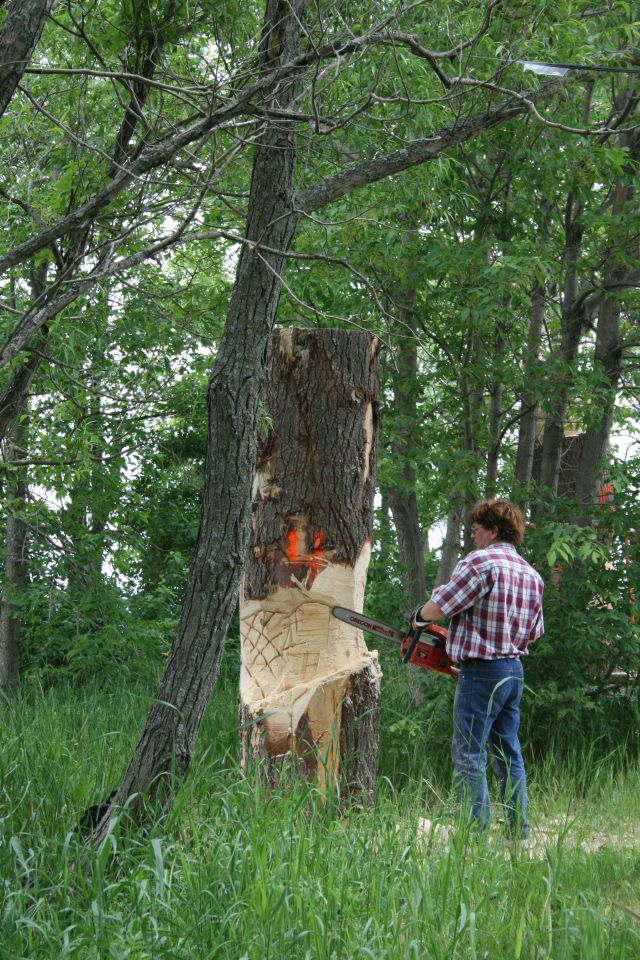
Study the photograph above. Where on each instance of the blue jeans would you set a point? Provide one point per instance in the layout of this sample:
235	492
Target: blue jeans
486	713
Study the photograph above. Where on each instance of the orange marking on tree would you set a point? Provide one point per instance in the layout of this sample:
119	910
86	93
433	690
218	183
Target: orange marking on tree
315	563
606	493
292	545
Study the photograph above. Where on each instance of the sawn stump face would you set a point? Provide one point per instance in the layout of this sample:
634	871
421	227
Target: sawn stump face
306	678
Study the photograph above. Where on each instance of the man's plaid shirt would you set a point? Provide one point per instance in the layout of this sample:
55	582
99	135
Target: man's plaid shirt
494	600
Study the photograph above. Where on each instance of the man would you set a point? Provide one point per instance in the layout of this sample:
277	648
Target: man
494	602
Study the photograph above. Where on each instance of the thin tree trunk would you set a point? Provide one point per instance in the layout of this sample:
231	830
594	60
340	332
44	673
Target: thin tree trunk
167	741
15	564
472	418
528	405
573	319
495	418
401	489
401	492
457	538
451	546
595	443
309	688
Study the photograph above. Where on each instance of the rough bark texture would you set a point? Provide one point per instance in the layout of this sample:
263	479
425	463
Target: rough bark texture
166	743
14	400
22	30
307	678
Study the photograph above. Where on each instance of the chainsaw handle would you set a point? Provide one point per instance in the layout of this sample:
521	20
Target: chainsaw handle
414	633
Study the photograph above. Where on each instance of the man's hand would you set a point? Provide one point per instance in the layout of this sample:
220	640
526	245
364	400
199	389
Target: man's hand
425	613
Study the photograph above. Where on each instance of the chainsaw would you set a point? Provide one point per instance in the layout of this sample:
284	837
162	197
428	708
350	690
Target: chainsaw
423	646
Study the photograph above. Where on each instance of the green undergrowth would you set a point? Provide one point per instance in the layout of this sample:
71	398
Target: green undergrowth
233	871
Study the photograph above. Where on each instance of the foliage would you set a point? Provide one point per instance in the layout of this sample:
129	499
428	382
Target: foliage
584	673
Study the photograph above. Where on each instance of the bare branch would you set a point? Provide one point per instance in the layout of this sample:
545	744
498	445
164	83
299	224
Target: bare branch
528	102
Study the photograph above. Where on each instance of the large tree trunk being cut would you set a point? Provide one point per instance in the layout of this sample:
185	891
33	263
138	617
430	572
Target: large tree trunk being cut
307	678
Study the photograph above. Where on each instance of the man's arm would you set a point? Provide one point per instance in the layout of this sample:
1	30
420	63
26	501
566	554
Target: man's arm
463	589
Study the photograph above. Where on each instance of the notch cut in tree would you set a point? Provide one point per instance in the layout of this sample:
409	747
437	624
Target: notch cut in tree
309	688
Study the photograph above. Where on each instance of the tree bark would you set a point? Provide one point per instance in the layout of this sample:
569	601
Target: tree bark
528	405
451	545
22	30
401	492
495	419
14	566
573	319
309	688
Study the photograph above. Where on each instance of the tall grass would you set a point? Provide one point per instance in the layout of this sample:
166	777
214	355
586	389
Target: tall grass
233	871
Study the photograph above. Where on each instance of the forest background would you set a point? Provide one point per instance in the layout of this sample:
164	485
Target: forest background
499	270
176	178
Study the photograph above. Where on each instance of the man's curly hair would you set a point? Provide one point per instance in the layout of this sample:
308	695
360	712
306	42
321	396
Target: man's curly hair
504	515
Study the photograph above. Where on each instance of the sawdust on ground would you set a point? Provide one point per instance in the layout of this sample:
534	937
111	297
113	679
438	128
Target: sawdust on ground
548	834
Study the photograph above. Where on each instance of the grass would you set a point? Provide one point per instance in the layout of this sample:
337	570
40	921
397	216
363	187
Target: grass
234	872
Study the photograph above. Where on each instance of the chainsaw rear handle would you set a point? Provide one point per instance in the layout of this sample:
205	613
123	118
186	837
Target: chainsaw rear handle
413	636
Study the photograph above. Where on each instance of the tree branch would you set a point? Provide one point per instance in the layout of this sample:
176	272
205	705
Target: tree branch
333	188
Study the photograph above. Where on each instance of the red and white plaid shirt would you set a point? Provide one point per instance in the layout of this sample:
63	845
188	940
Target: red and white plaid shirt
494	600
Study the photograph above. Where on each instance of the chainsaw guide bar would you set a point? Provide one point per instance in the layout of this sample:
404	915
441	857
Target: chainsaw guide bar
363	622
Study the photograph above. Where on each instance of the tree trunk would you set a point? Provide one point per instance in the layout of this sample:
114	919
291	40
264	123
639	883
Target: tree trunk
22	29
308	679
572	322
495	420
451	546
14	567
472	420
528	405
401	493
166	744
